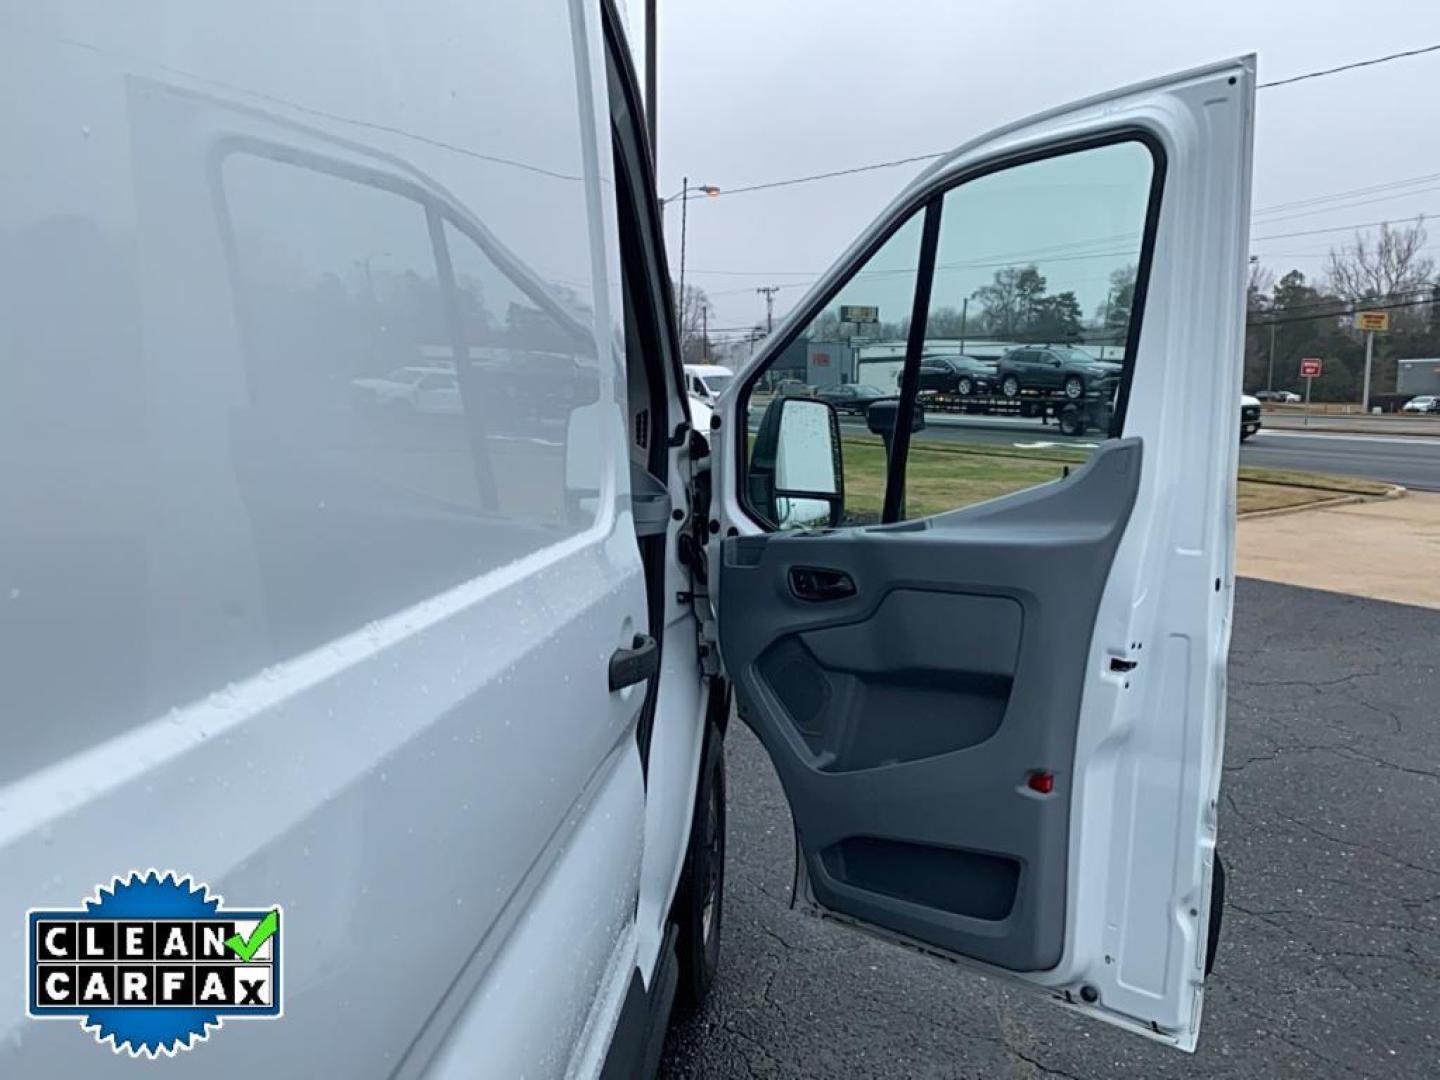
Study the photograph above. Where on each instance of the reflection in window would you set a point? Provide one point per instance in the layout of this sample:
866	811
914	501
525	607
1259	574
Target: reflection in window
401	435
529	369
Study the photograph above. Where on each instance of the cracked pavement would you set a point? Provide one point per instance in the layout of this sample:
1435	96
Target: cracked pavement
1329	961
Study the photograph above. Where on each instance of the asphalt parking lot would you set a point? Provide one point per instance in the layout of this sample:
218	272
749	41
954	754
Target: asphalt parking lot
1329	964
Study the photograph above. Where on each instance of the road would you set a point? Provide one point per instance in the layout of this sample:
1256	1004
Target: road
1413	461
1395	459
1329	960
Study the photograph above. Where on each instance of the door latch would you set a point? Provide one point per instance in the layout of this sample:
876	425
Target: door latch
635	664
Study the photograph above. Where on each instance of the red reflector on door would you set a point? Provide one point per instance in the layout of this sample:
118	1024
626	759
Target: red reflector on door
1043	782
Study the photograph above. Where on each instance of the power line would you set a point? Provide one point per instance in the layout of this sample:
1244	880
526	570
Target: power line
1344	228
1350	67
1040	254
1338	207
834	173
1335	195
1420	288
1349	309
830	175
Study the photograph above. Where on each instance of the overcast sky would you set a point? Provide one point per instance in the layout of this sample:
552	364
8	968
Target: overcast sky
759	90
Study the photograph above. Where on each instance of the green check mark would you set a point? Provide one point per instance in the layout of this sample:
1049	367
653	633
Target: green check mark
244	948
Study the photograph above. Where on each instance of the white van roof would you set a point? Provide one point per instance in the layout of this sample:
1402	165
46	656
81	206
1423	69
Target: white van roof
707	369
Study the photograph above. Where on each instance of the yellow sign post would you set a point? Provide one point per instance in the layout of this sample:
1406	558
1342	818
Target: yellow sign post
1372	322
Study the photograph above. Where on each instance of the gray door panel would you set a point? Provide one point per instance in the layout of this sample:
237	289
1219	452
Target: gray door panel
905	717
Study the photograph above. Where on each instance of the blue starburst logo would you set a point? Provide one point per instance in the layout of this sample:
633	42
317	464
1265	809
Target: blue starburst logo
152	964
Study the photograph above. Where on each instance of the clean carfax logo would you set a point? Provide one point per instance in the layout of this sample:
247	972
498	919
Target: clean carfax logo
152	962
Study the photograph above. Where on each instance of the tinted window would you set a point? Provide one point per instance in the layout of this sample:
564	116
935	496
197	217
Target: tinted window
1035	264
870	352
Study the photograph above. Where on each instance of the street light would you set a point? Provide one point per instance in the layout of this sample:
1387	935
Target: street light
709	190
684	194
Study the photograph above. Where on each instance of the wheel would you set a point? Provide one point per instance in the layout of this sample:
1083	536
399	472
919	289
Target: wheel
1072	421
699	907
963	386
1074	387
1010	386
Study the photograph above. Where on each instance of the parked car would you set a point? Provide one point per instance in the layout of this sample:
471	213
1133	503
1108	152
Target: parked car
962	375
854	398
705	381
1279	397
1425	403
413	390
1056	367
449	709
1249	416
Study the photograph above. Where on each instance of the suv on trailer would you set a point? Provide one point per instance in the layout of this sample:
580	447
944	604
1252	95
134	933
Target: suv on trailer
1072	371
453	692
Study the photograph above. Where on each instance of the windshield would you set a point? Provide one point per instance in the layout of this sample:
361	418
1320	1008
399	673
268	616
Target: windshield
716	383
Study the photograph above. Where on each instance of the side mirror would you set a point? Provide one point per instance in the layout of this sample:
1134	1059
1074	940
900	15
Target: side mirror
796	479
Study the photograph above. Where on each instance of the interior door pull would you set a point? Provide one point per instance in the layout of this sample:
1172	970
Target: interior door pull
817	583
635	664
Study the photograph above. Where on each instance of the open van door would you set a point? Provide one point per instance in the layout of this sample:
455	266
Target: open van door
998	719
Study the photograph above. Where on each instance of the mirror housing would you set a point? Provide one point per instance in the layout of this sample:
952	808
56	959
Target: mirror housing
881	417
795	478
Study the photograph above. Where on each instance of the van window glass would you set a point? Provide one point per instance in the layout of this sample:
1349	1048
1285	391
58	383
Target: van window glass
530	385
1024	345
1043	254
859	335
367	487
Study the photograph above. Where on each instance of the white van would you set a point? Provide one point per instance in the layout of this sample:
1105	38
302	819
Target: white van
707	381
447	692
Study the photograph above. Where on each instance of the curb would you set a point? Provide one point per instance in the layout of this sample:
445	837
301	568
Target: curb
1396	491
1280	511
1346	429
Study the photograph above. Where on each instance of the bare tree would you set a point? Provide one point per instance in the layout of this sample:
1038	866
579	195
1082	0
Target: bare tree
1389	265
694	313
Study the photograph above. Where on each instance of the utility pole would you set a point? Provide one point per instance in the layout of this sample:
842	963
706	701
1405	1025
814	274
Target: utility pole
705	332
964	314
769	291
651	88
684	215
1369	352
1270	383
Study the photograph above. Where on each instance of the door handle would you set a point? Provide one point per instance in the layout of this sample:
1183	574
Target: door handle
635	664
818	583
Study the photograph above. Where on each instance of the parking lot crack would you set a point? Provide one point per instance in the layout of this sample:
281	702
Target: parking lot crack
1038	1065
1359	846
1359	755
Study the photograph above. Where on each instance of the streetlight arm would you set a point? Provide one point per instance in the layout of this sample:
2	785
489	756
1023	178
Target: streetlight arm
709	190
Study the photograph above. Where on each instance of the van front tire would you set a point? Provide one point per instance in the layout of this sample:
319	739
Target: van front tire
699	900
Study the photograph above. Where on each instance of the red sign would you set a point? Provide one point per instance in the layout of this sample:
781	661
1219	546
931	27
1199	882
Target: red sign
1310	367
